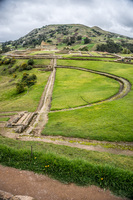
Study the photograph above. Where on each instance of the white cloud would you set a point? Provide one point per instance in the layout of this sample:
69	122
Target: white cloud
22	16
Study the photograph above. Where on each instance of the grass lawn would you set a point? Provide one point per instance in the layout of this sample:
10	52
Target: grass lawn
95	58
4	119
42	61
26	101
110	121
73	88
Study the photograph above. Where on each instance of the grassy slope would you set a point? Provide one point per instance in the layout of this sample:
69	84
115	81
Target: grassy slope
72	86
110	121
10	101
120	161
70	164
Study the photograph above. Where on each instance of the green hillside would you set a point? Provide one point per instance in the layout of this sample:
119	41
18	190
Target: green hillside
73	36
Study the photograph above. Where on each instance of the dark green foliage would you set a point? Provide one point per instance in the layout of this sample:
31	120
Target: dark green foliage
49	41
110	47
87	40
30	62
25	66
29	67
26	81
19	88
84	48
79	37
8	60
71	171
5	48
128	46
126	51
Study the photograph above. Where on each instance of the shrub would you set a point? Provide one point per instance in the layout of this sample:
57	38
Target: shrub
19	88
30	62
13	60
24	66
6	61
79	37
29	67
84	48
14	75
87	40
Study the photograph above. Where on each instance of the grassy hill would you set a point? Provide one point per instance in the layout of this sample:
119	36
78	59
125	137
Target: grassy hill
70	35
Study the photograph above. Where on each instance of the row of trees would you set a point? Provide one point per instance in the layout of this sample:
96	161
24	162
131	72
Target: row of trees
110	47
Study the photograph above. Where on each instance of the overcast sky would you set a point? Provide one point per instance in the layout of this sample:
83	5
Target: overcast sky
18	17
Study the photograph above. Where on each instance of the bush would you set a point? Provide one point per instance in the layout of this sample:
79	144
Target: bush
84	48
6	61
19	88
87	40
29	67
13	60
14	75
24	66
30	62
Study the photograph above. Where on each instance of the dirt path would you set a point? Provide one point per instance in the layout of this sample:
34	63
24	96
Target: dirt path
43	108
40	187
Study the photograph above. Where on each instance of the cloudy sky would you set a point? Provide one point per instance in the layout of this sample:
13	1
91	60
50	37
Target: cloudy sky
18	17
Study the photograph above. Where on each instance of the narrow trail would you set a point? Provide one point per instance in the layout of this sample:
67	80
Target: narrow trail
44	108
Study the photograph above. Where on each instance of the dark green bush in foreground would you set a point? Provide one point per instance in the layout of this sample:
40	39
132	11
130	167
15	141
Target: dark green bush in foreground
77	171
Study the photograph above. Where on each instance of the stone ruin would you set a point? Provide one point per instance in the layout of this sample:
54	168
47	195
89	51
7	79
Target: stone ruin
21	121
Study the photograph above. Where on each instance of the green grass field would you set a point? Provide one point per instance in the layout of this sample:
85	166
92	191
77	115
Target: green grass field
73	88
96	58
110	121
26	101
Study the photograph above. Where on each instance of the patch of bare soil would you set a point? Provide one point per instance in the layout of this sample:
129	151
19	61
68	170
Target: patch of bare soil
41	187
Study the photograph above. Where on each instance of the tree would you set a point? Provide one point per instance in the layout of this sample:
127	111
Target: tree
5	48
19	88
87	40
30	61
79	37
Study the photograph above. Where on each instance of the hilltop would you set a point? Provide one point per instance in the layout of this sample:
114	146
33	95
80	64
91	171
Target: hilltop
74	36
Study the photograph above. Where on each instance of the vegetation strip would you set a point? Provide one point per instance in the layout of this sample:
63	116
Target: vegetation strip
89	146
77	170
125	87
